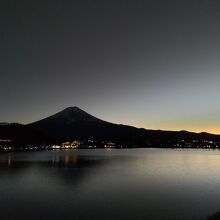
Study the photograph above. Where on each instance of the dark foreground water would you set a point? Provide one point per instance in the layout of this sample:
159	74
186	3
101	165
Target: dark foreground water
137	184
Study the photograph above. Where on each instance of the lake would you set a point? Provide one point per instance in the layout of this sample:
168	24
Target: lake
101	184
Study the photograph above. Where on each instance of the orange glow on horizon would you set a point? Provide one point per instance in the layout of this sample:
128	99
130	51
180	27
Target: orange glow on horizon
171	127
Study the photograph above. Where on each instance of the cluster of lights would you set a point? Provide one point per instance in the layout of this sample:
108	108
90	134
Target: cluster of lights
71	145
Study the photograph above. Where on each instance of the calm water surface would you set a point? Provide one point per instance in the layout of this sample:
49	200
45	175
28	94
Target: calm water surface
137	184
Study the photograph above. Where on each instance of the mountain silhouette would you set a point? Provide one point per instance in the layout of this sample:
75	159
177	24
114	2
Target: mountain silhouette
73	122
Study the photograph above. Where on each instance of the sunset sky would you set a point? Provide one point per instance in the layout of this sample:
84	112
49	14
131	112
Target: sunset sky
148	63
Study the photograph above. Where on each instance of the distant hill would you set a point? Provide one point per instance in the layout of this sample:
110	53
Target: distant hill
21	134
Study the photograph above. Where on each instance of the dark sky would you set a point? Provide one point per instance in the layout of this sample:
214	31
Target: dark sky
147	63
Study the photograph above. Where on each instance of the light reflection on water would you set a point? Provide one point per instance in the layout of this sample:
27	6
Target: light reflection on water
118	184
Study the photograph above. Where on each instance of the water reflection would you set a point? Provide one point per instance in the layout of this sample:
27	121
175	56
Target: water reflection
58	160
9	160
112	185
62	168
